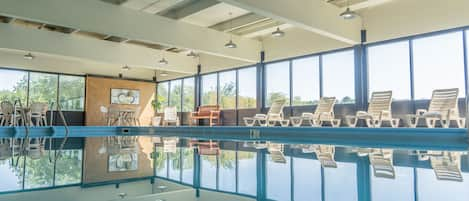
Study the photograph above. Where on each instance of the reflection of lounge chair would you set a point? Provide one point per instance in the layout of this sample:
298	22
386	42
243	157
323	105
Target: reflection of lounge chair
379	110
324	112
170	144
382	162
325	155
170	116
443	107
274	115
447	166
276	152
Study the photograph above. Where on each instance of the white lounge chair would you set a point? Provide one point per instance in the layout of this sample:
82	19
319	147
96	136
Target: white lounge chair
379	110
274	115
276	152
447	166
325	155
170	116
443	107
324	112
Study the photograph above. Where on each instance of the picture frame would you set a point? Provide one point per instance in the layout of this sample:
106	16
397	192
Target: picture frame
125	96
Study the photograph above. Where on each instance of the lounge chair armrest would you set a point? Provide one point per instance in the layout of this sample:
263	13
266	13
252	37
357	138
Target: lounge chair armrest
420	112
359	113
260	116
307	115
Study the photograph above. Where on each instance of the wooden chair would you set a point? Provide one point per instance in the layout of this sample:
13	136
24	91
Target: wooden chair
443	107
210	112
324	112
379	110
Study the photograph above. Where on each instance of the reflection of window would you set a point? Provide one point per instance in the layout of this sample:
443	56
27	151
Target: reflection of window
247	83
39	172
72	93
227	171
11	175
247	175
208	169
13	85
438	64
305	81
339	76
278	180
277	87
68	167
227	89
160	163
209	89
306	179
187	165
431	189
42	88
188	95
401	188
175	165
344	176
386	63
175	94
162	94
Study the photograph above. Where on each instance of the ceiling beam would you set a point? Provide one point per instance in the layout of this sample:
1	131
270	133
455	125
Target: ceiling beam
89	49
100	17
191	8
316	16
239	22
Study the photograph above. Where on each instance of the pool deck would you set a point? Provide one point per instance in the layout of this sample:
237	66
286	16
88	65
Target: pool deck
415	138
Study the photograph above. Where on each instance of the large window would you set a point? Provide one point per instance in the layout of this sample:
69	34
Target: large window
277	76
175	94
187	165
278	180
71	93
339	76
188	95
39	172
432	189
209	89
68	167
12	174
13	85
227	89
175	165
305	81
43	88
344	176
400	188
438	64
247	175
162	95
306	180
389	69
208	175
247	84
161	168
227	171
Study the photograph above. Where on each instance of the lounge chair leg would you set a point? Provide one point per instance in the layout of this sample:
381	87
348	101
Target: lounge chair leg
461	122
335	123
369	123
445	123
430	122
263	122
316	123
394	123
296	122
351	122
412	121
249	122
271	123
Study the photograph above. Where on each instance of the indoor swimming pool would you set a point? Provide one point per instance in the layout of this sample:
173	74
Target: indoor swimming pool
210	163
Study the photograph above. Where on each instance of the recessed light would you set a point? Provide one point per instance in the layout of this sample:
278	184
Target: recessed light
230	44
278	33
28	56
164	74
163	61
126	68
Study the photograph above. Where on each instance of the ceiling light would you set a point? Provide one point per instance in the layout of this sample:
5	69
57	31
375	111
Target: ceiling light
278	33
164	74
348	14
126	68
163	61
192	54
230	44
28	56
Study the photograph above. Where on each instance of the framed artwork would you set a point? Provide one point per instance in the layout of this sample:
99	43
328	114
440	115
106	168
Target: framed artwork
125	96
123	162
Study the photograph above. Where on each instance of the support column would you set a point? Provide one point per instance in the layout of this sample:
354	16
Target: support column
198	82
261	175
196	173
260	82
361	74
363	179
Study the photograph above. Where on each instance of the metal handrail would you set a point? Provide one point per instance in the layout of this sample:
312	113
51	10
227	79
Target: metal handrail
26	129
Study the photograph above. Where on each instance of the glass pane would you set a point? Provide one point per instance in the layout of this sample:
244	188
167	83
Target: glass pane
12	174
438	64
277	87
43	88
39	172
340	184
175	165
339	76
13	85
188	95
208	175
160	163
401	188
175	94
162	95
386	63
307	179
209	89
247	83
431	189
68	167
228	90
187	165
278	180
305	75
72	93
227	171
247	173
